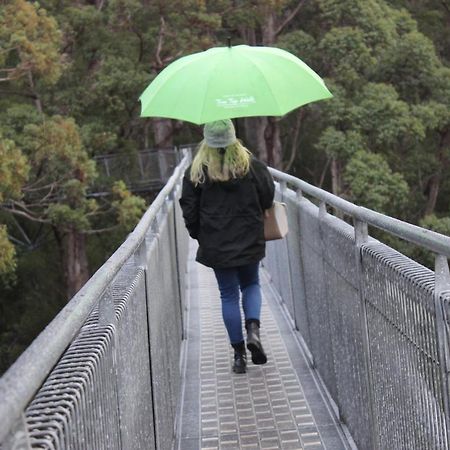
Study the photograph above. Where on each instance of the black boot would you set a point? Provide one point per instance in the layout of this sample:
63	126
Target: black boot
254	342
240	358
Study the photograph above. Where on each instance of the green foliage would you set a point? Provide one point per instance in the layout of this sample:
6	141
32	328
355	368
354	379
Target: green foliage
62	215
29	42
299	43
341	145
383	118
14	170
129	208
55	147
347	58
7	254
438	224
373	184
410	65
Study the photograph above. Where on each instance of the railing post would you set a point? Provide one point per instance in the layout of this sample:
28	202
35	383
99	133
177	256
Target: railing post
178	265
283	188
302	292
361	238
441	285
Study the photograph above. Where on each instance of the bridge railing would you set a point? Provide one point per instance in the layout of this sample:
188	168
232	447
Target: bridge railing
374	323
142	171
105	373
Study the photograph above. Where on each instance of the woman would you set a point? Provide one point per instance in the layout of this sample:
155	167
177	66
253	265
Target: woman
225	192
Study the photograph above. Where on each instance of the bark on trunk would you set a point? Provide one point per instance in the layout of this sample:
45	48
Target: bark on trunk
74	260
269	30
335	176
263	138
37	99
273	142
433	192
163	131
435	181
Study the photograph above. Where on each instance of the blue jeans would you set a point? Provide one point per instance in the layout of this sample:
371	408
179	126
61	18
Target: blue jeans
231	281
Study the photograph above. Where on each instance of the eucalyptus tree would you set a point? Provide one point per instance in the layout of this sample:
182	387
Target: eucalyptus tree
390	99
46	168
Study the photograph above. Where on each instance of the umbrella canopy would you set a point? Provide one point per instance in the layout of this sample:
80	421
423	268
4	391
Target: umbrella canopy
228	82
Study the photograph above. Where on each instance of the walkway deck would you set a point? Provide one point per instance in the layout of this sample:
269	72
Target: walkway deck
274	406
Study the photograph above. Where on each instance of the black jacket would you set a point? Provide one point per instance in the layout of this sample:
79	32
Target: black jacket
227	217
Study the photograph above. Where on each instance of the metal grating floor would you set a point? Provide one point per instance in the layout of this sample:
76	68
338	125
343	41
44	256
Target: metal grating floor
274	406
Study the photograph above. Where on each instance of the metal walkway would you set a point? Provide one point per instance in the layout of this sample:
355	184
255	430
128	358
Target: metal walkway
105	373
274	406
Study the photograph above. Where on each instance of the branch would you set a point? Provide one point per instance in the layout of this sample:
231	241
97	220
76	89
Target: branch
300	116
18	241
141	43
162	29
22	231
101	230
37	101
27	216
289	17
21	94
324	172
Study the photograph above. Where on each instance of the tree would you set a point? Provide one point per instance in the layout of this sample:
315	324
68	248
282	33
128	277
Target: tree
46	169
29	43
389	95
261	22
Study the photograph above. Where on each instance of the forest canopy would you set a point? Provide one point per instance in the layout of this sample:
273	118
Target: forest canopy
71	73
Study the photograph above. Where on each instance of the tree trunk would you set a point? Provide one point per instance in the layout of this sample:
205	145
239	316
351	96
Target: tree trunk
74	260
263	138
433	192
335	176
163	131
435	180
37	99
254	136
273	142
263	133
269	30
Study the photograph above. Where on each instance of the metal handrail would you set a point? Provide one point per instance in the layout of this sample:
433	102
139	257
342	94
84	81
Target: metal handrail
431	240
19	384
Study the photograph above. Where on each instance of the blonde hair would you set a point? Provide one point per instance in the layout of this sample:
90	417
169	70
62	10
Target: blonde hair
234	163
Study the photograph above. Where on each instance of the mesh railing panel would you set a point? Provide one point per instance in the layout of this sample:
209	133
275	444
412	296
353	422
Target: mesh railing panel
141	170
134	383
367	316
165	332
317	301
117	384
280	266
298	309
345	317
77	406
408	396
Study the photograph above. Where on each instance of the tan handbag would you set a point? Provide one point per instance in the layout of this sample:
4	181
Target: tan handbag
275	222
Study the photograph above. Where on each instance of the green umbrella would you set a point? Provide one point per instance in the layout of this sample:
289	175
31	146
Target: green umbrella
228	82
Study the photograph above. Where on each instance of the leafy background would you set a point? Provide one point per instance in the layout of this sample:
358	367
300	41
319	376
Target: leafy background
70	76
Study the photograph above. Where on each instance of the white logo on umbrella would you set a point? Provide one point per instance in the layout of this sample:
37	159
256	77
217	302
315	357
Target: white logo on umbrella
235	101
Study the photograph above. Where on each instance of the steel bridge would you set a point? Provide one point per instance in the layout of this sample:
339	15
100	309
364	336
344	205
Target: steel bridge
357	337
